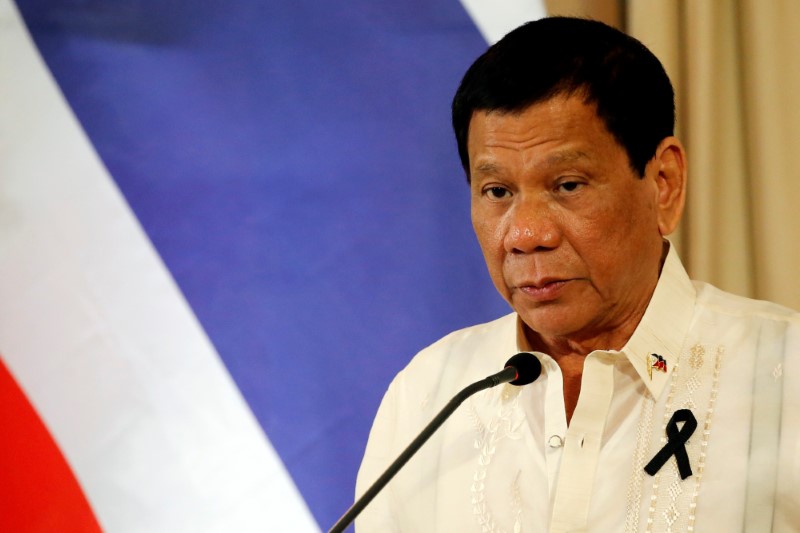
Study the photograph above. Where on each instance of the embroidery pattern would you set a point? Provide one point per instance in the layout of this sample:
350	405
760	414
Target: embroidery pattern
706	434
673	508
696	357
651	511
505	424
643	431
516	501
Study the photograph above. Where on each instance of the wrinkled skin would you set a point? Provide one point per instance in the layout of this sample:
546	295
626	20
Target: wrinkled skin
572	236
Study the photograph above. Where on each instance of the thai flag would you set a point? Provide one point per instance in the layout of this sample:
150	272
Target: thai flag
224	227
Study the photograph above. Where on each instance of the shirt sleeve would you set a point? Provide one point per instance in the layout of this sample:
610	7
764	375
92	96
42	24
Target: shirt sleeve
379	515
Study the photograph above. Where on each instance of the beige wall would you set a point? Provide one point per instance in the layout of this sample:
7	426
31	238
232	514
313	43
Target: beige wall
612	12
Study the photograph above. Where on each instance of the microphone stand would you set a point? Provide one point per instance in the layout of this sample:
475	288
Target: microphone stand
504	376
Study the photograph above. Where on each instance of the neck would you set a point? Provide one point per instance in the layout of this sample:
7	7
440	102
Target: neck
558	347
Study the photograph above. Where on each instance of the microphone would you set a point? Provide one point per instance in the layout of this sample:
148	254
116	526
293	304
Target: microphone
521	369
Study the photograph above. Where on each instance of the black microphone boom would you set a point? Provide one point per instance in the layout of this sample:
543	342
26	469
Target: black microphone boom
521	369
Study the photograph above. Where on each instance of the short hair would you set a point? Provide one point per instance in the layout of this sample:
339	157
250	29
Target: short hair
571	56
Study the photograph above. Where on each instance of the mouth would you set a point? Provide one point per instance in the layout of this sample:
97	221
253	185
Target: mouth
544	290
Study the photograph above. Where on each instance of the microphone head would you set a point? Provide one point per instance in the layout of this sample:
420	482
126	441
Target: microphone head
528	368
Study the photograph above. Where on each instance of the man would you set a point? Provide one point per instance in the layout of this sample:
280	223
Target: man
663	405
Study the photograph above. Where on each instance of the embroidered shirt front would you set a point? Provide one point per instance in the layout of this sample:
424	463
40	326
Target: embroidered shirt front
506	461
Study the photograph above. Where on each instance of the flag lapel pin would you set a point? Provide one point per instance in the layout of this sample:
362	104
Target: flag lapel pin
656	362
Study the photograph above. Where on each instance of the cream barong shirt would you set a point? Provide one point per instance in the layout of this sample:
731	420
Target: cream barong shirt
507	462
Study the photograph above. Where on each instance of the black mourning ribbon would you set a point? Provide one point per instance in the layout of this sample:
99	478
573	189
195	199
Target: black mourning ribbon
675	444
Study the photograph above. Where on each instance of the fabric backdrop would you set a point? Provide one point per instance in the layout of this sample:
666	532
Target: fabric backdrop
734	65
241	220
224	228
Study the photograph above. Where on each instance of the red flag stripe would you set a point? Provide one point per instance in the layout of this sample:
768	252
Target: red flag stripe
38	492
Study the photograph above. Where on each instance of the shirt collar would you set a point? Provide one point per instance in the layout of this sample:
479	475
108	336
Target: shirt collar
655	345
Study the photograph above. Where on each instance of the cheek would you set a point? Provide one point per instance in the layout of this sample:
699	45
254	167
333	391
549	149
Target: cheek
487	229
490	245
615	244
491	240
621	219
599	239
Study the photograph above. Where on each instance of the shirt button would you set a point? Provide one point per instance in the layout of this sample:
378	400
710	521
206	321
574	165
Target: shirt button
555	441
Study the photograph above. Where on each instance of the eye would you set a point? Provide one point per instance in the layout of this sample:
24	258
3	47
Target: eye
497	192
569	186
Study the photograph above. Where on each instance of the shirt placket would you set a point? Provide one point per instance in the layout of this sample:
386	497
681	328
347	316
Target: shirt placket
555	426
582	444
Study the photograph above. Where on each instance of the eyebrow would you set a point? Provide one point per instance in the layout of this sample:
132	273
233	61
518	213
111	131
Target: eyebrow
487	168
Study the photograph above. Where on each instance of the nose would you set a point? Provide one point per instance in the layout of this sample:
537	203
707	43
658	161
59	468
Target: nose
532	227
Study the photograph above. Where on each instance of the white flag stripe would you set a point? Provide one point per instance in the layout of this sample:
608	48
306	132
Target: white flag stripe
101	340
494	19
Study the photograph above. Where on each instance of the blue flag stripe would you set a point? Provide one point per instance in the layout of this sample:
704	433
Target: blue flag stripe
294	167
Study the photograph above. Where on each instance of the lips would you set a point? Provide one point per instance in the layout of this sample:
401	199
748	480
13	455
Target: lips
545	290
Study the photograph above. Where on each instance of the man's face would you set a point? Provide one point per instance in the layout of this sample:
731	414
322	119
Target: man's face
569	232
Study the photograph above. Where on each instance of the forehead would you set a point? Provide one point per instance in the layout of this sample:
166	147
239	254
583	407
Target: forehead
562	129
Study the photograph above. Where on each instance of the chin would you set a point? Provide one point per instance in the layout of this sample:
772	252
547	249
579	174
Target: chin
552	323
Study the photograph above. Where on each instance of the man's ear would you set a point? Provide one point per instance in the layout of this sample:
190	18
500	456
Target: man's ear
668	168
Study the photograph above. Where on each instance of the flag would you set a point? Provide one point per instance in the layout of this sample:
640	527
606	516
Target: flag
224	227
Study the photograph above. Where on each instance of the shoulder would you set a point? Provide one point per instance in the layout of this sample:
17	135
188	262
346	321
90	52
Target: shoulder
434	376
732	306
460	358
748	328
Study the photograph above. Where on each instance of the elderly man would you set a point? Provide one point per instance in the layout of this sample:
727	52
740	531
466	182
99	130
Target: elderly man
664	404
